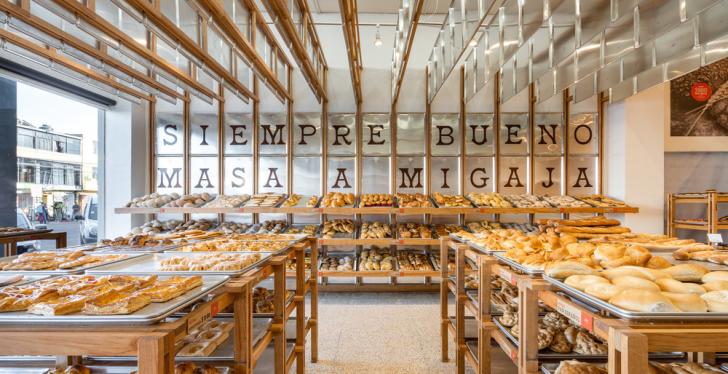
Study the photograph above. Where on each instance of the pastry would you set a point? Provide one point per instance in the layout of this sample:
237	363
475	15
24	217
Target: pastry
375	230
657	262
640	300
60	306
545	337
715	276
489	199
116	303
559	344
716	286
564	269
415	200
634	271
376	199
450	201
509	317
337	200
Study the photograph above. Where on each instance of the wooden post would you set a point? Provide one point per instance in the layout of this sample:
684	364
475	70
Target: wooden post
460	308
314	299
444	293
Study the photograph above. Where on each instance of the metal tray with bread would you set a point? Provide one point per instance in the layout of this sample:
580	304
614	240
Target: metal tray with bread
616	311
59	262
18	279
149	313
517	266
186	263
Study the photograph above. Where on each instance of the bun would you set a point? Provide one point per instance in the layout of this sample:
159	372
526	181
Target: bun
634	271
657	262
717	301
580	282
687	272
716	286
687	302
564	269
631	282
608	252
675	286
603	291
715	276
643	301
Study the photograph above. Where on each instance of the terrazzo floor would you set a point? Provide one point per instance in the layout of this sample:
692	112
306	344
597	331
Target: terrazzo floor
392	333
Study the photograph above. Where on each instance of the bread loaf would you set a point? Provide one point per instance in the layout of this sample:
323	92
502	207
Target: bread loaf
717	301
638	300
715	276
580	282
716	286
603	291
634	271
687	272
687	302
593	230
564	269
675	286
630	282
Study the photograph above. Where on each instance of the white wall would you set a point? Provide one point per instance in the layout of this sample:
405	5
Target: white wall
634	156
124	174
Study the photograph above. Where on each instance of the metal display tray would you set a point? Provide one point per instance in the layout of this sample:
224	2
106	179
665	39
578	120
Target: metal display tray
302	203
287	247
354	261
550	368
25	278
516	266
706	264
77	270
150	314
494	310
626	314
150	249
150	264
428	256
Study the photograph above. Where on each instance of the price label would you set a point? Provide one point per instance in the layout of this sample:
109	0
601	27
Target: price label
401	210
214	309
569	311
320	210
715	238
562	210
514	355
320	274
482	210
161	210
400	241
507	275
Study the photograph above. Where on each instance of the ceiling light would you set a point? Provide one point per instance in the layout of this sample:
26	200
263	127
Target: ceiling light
378	38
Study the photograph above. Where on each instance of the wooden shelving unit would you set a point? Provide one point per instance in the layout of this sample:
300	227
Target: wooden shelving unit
711	199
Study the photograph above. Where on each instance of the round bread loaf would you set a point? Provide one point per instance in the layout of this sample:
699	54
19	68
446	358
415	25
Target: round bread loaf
715	276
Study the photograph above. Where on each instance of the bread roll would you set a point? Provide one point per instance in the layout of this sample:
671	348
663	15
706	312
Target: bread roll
715	276
640	254
675	286
657	262
635	271
608	252
643	301
580	282
687	272
564	269
603	291
716	286
630	282
717	301
580	249
687	302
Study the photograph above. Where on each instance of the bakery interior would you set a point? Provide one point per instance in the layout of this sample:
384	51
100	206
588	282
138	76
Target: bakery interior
350	186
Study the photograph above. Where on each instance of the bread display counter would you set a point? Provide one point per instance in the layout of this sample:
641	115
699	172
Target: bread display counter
156	309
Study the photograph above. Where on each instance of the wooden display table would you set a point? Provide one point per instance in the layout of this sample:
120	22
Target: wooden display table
10	242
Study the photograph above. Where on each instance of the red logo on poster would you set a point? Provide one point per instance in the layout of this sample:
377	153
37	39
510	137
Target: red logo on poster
700	91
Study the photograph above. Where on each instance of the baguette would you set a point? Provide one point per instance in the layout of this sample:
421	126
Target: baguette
596	221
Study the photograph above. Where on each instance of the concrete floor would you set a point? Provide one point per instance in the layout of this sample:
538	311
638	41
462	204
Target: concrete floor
388	333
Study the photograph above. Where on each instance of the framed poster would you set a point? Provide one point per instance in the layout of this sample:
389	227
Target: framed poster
698	113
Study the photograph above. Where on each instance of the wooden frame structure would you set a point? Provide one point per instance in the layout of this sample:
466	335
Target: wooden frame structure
350	24
711	199
10	242
399	79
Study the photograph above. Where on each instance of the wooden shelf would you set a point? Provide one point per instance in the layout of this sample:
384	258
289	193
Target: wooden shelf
380	242
378	273
375	210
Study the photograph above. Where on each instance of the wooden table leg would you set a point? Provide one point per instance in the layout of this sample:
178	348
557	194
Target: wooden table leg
444	293
614	357
300	310
314	300
460	309
634	352
242	331
484	335
151	355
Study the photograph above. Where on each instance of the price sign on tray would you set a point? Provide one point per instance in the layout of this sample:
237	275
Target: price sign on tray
575	315
507	275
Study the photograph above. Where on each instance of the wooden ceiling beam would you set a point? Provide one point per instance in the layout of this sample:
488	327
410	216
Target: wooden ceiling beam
407	49
228	26
350	24
107	28
66	62
171	30
287	28
64	37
